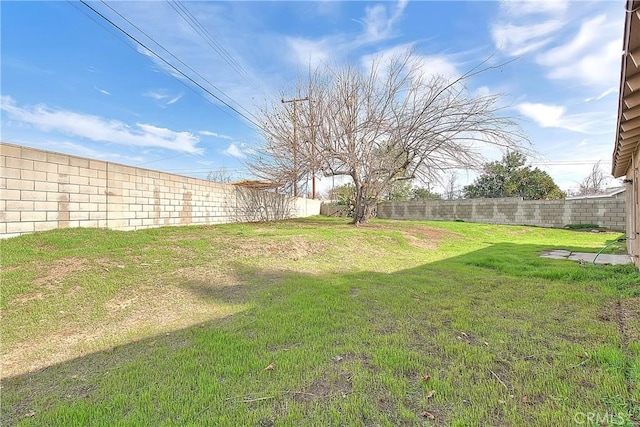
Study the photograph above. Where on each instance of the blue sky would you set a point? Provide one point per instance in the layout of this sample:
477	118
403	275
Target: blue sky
72	83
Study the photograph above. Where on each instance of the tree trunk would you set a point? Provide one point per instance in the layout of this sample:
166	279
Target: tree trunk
364	207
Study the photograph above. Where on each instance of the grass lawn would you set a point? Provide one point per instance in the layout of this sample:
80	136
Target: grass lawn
314	322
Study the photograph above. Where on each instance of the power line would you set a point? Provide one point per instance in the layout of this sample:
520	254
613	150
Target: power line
101	24
175	57
174	68
201	30
116	35
168	63
571	162
182	10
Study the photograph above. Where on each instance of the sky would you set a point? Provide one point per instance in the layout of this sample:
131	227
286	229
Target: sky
73	83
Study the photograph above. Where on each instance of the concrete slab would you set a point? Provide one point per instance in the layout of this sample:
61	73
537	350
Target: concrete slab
557	253
602	258
586	257
553	256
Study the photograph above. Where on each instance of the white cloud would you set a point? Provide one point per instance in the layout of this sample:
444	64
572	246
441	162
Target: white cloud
312	53
440	65
516	40
102	91
527	26
430	65
544	115
378	25
483	91
379	21
214	134
590	32
579	50
613	89
98	129
591	57
554	116
163	96
533	7
234	151
174	99
81	150
158	96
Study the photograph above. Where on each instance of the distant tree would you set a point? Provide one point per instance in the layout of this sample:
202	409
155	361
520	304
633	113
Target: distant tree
451	190
510	177
220	175
594	183
400	191
343	195
421	193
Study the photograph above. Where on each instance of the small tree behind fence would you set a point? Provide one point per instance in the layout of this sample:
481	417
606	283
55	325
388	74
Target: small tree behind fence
256	205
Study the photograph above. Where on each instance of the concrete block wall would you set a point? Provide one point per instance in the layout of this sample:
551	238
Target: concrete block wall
333	209
42	190
607	213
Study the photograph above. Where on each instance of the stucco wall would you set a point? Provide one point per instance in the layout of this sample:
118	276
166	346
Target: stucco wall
605	212
42	190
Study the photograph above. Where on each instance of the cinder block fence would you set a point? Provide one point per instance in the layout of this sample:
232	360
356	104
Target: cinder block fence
42	190
604	212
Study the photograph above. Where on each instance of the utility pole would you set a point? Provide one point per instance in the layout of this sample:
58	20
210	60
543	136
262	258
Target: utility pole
313	159
295	140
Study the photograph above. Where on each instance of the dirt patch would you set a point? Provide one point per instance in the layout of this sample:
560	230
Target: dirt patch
628	318
432	233
607	313
51	277
119	303
293	248
59	270
327	386
626	314
419	242
202	234
184	253
518	232
423	237
28	297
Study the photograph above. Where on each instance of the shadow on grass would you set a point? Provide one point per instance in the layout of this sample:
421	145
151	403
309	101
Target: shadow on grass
233	293
351	348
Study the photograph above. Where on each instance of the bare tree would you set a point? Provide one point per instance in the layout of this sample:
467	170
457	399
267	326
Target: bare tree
221	175
594	183
380	126
256	205
450	185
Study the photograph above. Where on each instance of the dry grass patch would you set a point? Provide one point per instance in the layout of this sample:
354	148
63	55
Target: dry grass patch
420	236
59	270
289	247
160	303
134	313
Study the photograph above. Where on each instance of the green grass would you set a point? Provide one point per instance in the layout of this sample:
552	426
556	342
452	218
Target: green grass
175	326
